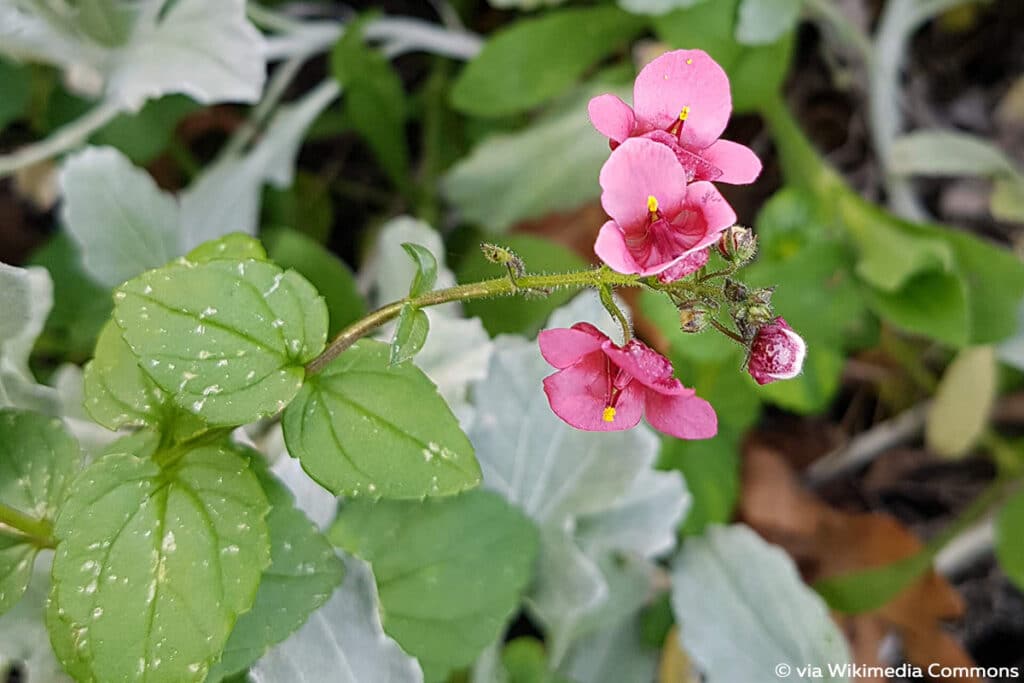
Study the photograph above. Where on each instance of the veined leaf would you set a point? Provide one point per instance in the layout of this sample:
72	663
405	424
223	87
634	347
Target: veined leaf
227	339
304	570
362	427
38	460
153	566
450	572
410	334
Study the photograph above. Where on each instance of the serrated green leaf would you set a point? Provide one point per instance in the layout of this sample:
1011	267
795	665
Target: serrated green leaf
450	572
38	460
153	567
775	616
1010	539
962	403
374	100
362	427
17	557
329	274
119	394
755	72
304	570
410	334
426	268
519	314
234	246
534	59
227	339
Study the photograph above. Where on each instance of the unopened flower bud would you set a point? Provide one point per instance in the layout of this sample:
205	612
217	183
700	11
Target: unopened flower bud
735	291
777	352
693	317
737	244
505	257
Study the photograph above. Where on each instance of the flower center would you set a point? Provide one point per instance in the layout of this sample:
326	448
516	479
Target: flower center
609	414
652	206
618	380
677	126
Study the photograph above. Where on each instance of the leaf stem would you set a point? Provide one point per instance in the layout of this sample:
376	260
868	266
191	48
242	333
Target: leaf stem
68	137
727	332
486	289
39	531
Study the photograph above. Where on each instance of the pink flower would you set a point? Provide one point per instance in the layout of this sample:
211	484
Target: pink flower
657	219
601	387
776	353
681	100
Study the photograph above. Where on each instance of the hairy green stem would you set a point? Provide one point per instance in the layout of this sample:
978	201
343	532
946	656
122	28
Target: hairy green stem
486	289
39	531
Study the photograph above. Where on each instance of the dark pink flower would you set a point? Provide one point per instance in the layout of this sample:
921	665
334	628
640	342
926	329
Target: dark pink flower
776	353
681	100
658	220
601	387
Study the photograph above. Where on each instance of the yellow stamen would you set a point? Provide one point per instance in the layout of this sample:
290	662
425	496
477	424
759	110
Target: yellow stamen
652	204
689	61
684	113
608	415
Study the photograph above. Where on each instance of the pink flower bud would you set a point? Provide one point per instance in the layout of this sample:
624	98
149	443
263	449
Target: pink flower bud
777	352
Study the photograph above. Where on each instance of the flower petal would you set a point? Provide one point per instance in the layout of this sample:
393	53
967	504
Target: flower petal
636	170
578	395
690	263
612	117
647	366
563	347
738	163
678	79
708	214
611	248
684	417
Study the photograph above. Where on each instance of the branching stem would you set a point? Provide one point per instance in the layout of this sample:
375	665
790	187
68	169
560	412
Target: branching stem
38	531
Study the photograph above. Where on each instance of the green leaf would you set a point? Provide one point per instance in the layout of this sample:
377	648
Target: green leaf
17	557
450	572
1009	535
534	59
776	617
304	570
38	460
233	246
766	21
329	274
410	334
931	303
813	390
711	469
388	268
374	100
362	427
510	177
26	295
228	340
119	394
962	403
26	648
153	567
15	91
613	654
426	269
518	314
869	589
755	73
1007	200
